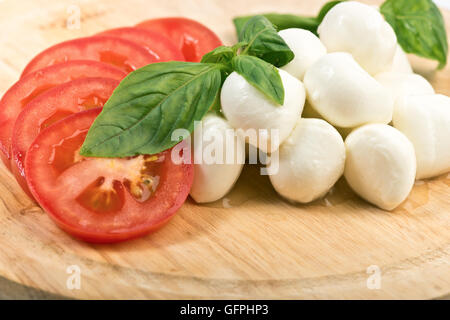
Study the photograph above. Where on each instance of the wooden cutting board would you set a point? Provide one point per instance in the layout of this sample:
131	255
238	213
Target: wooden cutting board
250	245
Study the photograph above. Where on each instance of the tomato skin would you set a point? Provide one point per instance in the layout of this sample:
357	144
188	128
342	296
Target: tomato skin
121	53
36	83
191	37
133	219
159	45
54	104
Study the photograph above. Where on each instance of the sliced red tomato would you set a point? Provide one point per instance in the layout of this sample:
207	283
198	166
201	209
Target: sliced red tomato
98	199
51	106
121	53
158	45
192	38
36	83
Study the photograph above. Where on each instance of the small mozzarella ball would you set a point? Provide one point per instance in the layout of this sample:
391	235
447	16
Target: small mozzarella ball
212	181
425	120
400	63
306	47
402	84
311	160
380	165
362	31
346	95
248	109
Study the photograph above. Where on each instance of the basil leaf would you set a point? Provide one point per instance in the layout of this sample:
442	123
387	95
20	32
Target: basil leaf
280	22
222	55
419	27
261	75
217	107
149	104
264	42
286	21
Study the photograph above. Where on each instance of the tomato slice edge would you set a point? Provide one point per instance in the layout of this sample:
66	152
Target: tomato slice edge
193	38
65	97
111	50
158	44
52	74
177	198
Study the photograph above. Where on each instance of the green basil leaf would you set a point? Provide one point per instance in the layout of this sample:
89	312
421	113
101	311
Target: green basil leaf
280	22
262	75
217	107
264	42
238	46
286	21
419	27
149	104
222	55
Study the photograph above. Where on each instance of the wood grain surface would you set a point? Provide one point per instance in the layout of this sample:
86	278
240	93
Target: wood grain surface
250	245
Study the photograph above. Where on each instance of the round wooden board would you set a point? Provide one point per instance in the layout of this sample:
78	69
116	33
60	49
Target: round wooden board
250	245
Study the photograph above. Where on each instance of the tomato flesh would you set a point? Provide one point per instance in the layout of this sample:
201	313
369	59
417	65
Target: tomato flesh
121	53
191	37
97	199
36	83
157	44
50	107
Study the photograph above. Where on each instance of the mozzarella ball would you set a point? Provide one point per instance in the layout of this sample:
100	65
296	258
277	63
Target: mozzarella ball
402	84
380	165
306	47
214	179
362	31
346	95
400	62
425	120
248	109
311	160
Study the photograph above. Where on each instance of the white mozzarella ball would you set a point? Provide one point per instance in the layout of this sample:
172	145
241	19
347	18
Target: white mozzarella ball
311	160
345	94
400	62
248	109
380	165
306	47
402	84
214	179
425	120
362	31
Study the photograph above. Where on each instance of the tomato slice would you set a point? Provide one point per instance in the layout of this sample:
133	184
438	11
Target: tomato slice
48	108
36	83
121	53
192	38
97	199
158	45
